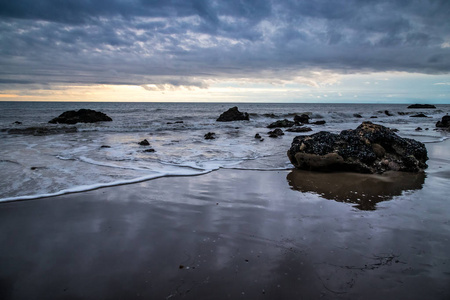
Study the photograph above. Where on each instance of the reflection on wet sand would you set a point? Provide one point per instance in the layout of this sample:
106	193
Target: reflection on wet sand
365	190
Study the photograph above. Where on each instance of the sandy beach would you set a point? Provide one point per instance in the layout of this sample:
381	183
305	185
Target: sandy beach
234	234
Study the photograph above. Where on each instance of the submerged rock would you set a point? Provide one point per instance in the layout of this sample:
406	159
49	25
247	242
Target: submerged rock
421	106
444	122
281	123
233	114
419	116
370	148
80	116
41	130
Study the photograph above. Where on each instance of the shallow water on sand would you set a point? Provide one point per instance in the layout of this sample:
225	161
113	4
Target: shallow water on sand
228	234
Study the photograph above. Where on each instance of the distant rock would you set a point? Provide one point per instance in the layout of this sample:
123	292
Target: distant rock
387	113
105	146
299	129
18	123
233	114
373	117
421	106
370	148
357	116
144	143
281	123
80	116
210	136
419	129
275	133
150	150
444	122
41	130
302	119
419	116
257	136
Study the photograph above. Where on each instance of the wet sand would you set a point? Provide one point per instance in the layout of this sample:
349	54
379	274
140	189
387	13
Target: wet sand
234	234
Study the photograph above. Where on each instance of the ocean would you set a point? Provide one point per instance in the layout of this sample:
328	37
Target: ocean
35	165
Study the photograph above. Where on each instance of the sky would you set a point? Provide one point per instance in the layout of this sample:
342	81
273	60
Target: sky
374	51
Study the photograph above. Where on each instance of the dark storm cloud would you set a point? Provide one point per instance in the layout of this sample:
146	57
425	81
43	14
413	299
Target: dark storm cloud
181	42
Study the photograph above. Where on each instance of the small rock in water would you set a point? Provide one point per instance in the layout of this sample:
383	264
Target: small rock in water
281	123
144	143
149	150
418	129
299	129
275	133
210	136
257	136
302	119
444	122
233	114
357	115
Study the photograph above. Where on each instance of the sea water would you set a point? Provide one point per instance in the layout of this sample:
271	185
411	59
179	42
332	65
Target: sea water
108	153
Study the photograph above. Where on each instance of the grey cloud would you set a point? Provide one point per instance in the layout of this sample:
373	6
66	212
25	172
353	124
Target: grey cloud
159	41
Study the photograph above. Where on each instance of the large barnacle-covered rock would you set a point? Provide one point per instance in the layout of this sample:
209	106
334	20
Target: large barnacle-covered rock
370	148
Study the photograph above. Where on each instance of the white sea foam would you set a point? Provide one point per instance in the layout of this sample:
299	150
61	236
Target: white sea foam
65	163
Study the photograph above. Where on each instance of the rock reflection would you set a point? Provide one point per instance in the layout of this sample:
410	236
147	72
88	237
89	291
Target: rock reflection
365	190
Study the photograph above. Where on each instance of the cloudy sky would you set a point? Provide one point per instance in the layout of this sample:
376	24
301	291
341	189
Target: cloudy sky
228	51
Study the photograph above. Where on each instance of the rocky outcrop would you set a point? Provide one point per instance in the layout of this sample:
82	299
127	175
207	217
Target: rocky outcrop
281	123
421	106
233	114
80	116
444	122
370	148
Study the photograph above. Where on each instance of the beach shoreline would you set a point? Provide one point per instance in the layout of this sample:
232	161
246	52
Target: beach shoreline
229	233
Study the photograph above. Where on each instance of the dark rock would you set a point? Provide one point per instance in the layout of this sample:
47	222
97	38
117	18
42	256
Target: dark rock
444	122
179	122
299	129
357	115
275	133
42	130
144	143
105	146
387	113
80	116
149	150
302	119
281	123
418	129
233	114
18	123
370	148
257	136
374	117
421	106
210	136
419	116
320	122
